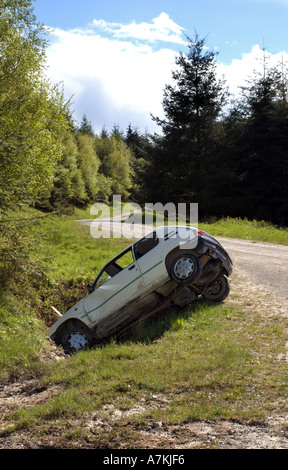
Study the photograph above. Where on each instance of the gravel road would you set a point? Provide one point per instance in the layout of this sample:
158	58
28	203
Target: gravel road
266	264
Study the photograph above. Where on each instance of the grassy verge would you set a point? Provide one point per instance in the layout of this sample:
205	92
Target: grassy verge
67	259
22	337
206	362
247	229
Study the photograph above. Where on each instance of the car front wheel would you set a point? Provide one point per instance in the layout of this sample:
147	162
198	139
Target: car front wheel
185	269
76	338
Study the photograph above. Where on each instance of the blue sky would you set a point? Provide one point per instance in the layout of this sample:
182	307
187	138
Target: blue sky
115	56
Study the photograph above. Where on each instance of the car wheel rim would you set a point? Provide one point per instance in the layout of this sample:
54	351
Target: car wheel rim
215	288
184	268
77	340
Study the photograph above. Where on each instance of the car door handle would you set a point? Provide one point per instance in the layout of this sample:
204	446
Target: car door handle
131	267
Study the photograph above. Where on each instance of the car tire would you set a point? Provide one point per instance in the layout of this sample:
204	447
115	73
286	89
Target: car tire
76	338
185	269
216	290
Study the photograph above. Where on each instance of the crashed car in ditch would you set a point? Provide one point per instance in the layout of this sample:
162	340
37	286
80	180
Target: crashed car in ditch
169	266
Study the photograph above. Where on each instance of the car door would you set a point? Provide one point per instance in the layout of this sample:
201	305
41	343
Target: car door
148	252
121	288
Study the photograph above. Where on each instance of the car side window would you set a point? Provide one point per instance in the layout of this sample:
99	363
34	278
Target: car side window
114	267
120	263
126	259
145	245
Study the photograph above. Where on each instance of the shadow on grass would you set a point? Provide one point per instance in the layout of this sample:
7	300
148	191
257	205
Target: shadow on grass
151	329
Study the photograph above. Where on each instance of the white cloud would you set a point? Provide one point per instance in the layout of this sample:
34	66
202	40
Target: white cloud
162	28
240	70
117	80
114	81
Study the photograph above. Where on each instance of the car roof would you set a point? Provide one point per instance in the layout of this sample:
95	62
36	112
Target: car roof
164	230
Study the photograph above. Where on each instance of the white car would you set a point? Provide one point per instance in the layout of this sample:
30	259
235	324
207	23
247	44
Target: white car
171	265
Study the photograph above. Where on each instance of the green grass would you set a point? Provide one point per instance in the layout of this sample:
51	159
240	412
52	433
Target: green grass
254	230
70	251
68	259
22	338
203	363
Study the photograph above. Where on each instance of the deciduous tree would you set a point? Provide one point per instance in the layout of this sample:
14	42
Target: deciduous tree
31	109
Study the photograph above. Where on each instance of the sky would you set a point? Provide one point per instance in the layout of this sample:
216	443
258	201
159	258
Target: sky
114	57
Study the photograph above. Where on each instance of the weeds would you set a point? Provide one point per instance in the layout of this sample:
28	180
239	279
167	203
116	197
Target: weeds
22	338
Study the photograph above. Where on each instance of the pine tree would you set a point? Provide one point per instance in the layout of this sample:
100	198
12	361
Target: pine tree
86	127
182	161
140	147
263	163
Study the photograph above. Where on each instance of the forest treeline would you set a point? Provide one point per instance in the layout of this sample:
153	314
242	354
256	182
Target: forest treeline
229	156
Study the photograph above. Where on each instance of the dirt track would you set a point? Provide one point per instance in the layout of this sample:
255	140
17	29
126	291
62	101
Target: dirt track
266	264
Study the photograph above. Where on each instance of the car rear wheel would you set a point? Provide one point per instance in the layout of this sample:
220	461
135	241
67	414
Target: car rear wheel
185	269
217	290
76	338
